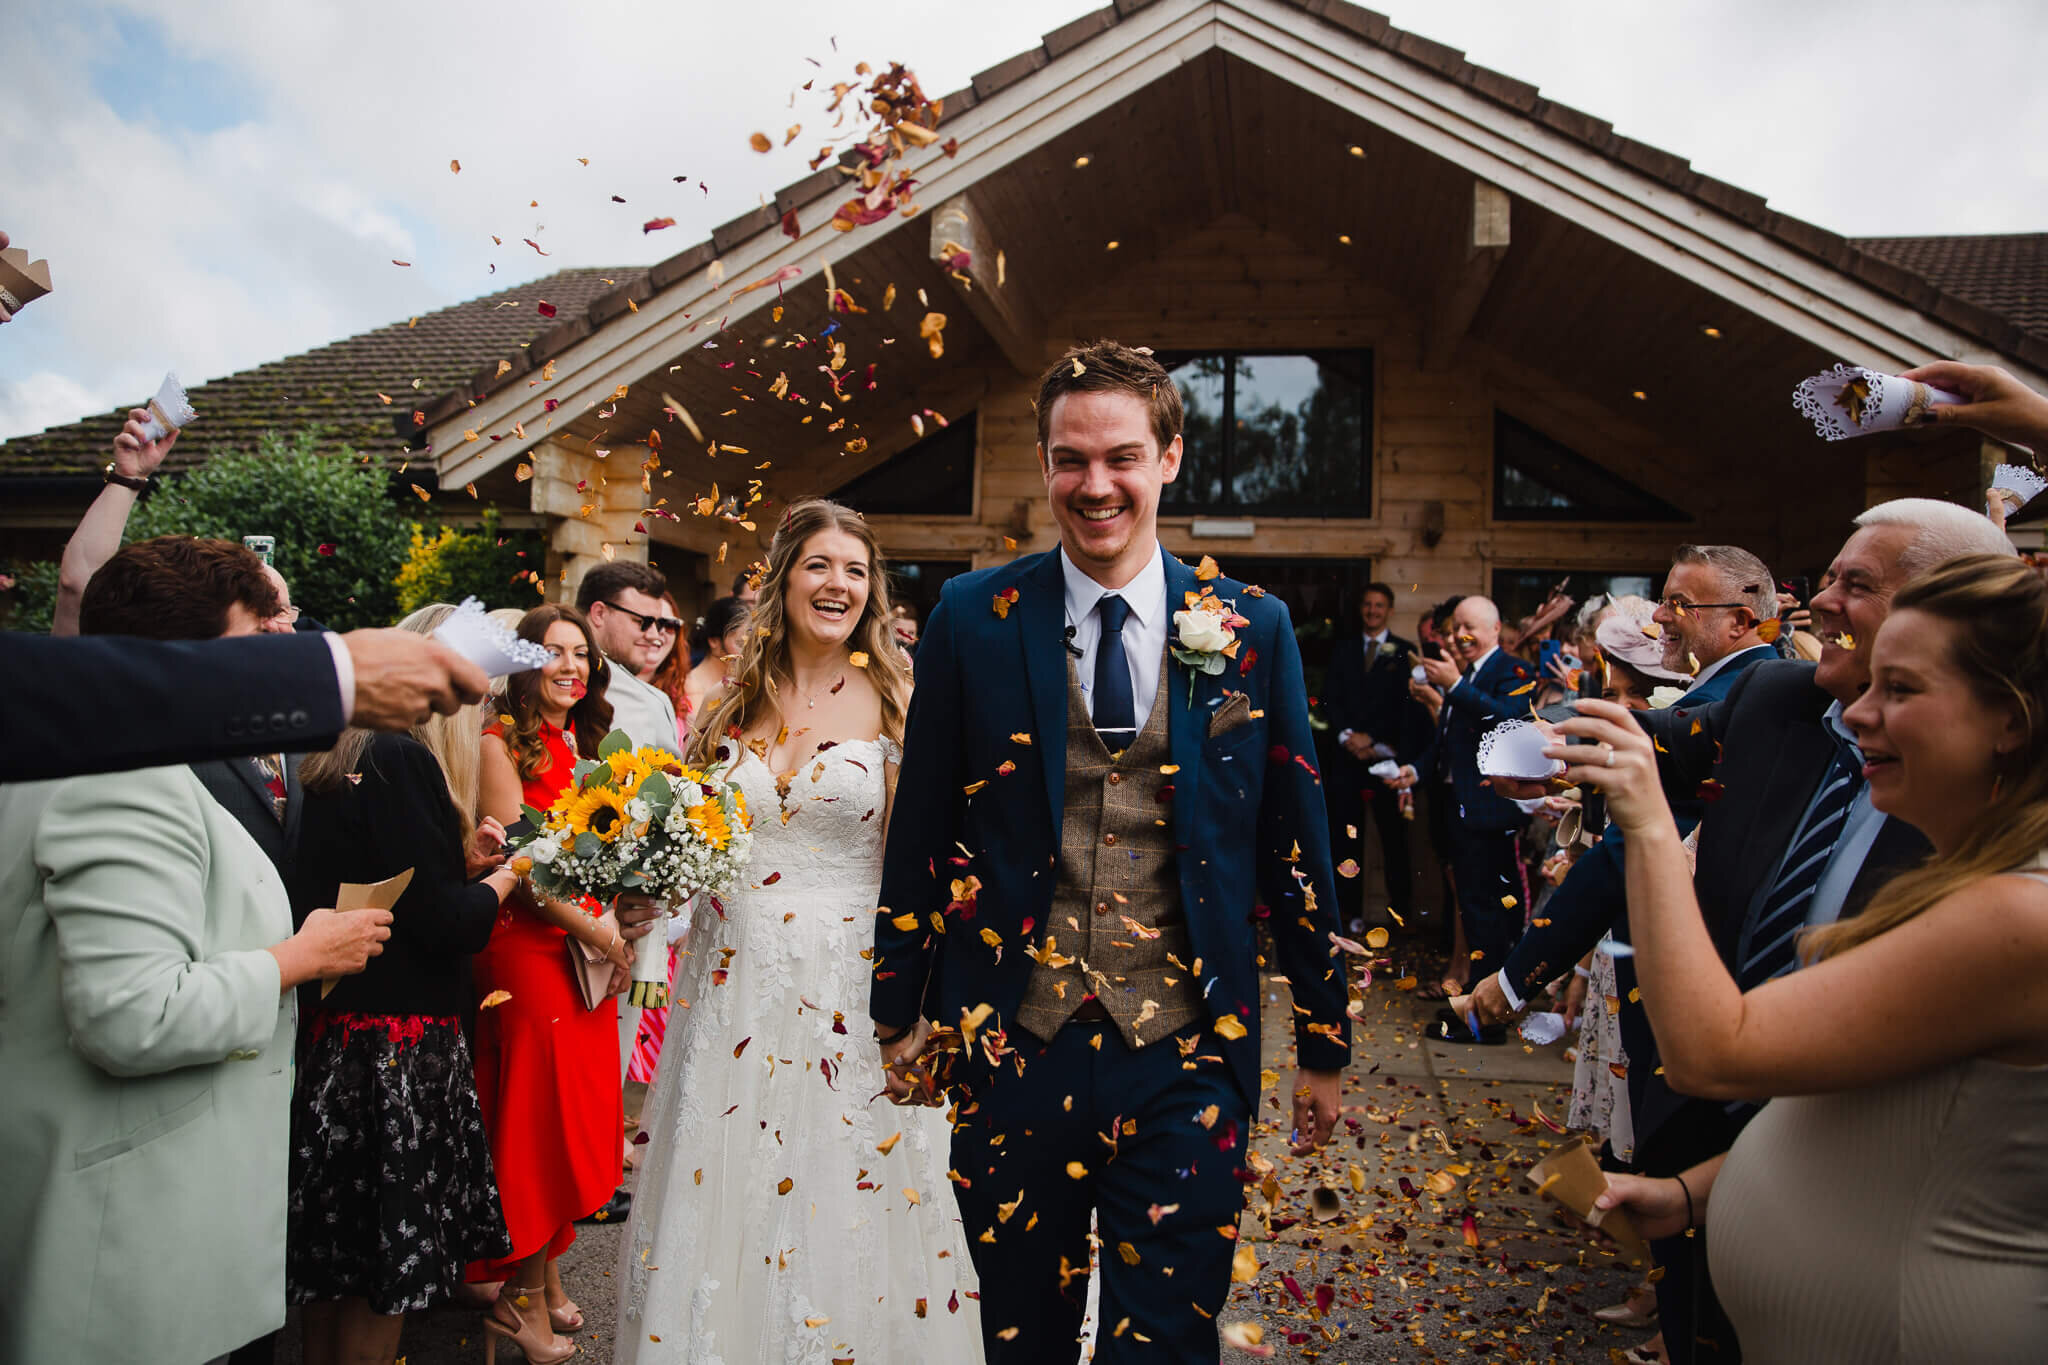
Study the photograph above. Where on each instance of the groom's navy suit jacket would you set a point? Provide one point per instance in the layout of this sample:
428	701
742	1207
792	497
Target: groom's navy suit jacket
1246	809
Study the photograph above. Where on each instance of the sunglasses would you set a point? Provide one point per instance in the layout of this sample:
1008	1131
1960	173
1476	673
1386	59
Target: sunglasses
667	625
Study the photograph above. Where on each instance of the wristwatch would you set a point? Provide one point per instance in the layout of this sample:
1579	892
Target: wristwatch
126	480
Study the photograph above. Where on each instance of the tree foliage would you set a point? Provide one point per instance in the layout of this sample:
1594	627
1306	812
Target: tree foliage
341	538
497	568
30	598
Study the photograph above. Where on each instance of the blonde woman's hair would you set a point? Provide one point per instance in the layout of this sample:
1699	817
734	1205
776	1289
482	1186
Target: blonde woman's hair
455	741
1996	608
763	668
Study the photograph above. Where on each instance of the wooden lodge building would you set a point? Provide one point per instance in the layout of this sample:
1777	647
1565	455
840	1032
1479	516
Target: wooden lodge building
1432	327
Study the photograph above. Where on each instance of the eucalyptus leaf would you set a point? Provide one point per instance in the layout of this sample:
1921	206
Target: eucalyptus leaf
617	742
588	846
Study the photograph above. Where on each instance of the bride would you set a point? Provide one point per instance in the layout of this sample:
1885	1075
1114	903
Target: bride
784	1213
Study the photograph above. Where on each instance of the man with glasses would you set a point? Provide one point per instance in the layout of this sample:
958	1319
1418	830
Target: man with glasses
623	602
1715	599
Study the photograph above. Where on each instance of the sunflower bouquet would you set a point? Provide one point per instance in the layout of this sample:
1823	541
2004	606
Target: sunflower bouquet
638	822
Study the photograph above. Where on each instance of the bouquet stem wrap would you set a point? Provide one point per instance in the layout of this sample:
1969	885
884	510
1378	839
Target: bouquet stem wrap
638	822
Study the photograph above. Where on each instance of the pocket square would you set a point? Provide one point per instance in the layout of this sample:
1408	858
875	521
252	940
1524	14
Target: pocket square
1235	711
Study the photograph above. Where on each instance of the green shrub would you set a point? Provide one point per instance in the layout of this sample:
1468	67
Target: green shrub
31	603
497	568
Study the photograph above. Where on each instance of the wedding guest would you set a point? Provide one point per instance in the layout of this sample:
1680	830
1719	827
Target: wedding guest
546	1067
1891	1203
146	1026
136	460
722	635
1366	700
622	601
392	1191
670	674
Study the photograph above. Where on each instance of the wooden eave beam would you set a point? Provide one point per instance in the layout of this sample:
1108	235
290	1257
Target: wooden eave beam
999	306
1463	288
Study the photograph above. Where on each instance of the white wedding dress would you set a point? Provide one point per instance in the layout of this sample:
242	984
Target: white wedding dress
769	1225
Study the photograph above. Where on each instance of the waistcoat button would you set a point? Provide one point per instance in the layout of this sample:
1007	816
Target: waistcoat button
1115	778
1109	838
1102	907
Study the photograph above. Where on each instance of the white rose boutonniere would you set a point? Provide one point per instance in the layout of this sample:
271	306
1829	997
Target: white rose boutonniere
1205	636
1387	650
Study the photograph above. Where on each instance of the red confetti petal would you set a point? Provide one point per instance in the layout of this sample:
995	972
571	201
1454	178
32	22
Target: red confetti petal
547	310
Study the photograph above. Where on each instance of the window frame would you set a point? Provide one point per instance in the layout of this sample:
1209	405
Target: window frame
1316	506
1575	462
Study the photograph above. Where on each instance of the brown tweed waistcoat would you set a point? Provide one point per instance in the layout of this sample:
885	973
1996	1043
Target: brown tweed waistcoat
1116	929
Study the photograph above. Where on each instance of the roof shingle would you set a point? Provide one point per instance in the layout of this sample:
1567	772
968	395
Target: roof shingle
336	386
2005	273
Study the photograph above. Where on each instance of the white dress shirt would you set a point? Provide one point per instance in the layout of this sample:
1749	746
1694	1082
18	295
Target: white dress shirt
1144	629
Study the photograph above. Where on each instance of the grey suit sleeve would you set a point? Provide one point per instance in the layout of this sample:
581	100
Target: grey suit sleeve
125	871
102	703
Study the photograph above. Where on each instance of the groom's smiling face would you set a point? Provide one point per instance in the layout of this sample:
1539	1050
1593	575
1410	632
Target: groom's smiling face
1103	474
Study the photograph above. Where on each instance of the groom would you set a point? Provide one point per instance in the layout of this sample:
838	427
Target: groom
1106	791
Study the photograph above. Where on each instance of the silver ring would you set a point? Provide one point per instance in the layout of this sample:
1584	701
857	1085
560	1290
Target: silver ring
1608	751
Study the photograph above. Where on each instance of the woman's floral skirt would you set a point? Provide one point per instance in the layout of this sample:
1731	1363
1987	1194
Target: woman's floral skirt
392	1192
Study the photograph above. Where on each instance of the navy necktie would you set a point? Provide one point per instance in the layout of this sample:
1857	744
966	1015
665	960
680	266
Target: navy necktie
1116	717
1770	946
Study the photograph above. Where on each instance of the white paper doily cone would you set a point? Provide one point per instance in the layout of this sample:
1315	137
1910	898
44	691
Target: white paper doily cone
1386	770
487	643
169	411
1852	401
1514	749
2019	483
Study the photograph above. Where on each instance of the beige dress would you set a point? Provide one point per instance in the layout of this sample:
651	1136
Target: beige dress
1906	1222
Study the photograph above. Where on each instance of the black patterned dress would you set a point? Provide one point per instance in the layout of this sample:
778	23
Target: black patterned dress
392	1191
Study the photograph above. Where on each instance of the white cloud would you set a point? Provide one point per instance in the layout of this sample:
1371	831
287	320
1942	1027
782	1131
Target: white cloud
214	249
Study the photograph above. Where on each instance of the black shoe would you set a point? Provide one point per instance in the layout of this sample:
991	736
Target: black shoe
614	1212
1451	1029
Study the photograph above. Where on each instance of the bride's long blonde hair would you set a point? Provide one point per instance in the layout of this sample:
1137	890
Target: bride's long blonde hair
763	668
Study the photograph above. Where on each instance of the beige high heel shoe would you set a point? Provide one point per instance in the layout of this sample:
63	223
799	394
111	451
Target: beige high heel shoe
536	1341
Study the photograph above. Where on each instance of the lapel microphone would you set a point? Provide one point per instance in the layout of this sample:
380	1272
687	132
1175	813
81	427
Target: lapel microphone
1072	648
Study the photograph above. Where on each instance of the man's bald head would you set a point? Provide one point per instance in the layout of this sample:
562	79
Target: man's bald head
282	623
1475	627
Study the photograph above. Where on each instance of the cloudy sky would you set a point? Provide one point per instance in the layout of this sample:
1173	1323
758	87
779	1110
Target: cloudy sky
217	183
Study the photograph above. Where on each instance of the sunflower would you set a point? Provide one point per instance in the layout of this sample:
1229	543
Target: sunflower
600	811
629	770
710	823
739	803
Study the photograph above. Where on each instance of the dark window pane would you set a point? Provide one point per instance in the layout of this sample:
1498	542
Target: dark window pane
917	581
1201	380
1537	478
1279	434
1299	434
932	477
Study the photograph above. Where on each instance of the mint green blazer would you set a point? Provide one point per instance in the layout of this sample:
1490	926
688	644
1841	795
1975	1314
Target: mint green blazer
146	1051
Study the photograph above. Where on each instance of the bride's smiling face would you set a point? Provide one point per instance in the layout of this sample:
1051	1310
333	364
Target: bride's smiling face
827	589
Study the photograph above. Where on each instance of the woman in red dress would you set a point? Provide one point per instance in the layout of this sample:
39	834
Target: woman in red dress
547	1069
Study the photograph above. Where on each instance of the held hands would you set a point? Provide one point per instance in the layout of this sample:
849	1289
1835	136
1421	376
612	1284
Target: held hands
898	1062
1621	762
135	455
1315	1109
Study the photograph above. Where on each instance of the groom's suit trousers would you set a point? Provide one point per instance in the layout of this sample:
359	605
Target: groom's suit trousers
1130	1141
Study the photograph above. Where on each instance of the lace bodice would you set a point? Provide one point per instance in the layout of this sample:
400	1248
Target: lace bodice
818	828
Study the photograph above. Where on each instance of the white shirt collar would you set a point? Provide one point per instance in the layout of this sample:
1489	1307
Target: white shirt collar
1715	667
1480	662
1145	594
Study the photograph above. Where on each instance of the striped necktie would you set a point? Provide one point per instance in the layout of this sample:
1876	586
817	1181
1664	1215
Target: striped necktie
1770	945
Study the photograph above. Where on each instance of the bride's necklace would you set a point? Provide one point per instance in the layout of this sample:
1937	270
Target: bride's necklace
811	697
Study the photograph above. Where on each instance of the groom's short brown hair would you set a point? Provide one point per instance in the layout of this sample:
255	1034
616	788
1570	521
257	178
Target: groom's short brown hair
1112	367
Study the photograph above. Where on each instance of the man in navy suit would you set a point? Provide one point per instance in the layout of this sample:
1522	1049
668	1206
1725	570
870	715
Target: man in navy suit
1366	702
1108	787
1486	829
